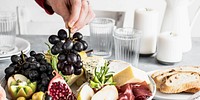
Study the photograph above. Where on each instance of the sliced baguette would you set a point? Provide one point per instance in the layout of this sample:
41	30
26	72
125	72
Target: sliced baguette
193	90
180	82
159	79
159	75
186	68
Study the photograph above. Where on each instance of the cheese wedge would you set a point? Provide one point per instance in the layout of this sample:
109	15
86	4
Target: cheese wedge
125	73
89	65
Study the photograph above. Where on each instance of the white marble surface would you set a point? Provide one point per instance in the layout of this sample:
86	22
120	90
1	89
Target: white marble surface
145	63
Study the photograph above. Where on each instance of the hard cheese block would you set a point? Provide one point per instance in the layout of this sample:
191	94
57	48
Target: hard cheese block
124	73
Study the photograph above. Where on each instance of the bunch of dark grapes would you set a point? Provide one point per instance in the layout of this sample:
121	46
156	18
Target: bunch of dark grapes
67	48
35	68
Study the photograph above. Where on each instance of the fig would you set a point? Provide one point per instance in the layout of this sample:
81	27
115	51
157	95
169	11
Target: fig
19	86
59	89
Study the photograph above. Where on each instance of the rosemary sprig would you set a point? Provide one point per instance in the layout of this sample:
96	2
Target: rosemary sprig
102	77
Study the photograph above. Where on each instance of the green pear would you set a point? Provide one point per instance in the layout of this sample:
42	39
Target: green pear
38	96
109	92
19	86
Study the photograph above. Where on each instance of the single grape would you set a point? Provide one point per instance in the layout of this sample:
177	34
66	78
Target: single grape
43	61
43	68
60	65
78	65
61	57
68	70
43	75
48	66
53	39
62	34
59	44
45	81
9	70
32	53
33	66
25	65
55	50
31	59
27	72
33	74
39	56
71	58
85	45
15	58
78	46
37	64
77	71
77	36
68	44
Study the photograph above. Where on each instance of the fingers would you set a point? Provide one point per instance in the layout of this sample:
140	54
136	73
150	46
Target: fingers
86	16
90	16
64	13
83	14
75	12
60	8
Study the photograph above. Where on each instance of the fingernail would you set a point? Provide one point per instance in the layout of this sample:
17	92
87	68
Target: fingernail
71	24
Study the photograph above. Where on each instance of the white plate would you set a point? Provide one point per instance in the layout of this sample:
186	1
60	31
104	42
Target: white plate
6	58
74	88
21	45
164	96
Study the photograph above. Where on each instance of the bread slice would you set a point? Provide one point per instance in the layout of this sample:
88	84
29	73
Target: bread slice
193	90
159	75
159	79
180	82
169	70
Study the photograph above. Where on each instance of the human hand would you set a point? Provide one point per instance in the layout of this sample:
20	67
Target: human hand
75	13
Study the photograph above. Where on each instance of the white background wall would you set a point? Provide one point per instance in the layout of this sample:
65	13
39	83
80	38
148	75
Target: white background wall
36	21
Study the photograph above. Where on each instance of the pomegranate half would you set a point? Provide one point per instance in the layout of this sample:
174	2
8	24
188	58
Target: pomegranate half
59	90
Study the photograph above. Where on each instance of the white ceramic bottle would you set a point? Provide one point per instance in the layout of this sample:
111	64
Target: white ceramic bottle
176	19
146	20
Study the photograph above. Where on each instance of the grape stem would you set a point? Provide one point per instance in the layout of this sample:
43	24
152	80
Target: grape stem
23	59
49	47
69	29
89	51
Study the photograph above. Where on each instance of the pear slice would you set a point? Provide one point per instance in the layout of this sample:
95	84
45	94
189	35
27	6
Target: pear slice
14	89
85	93
16	77
20	77
33	85
19	86
107	93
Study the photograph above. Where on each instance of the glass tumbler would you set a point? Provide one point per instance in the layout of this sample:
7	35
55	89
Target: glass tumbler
101	39
8	21
127	45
